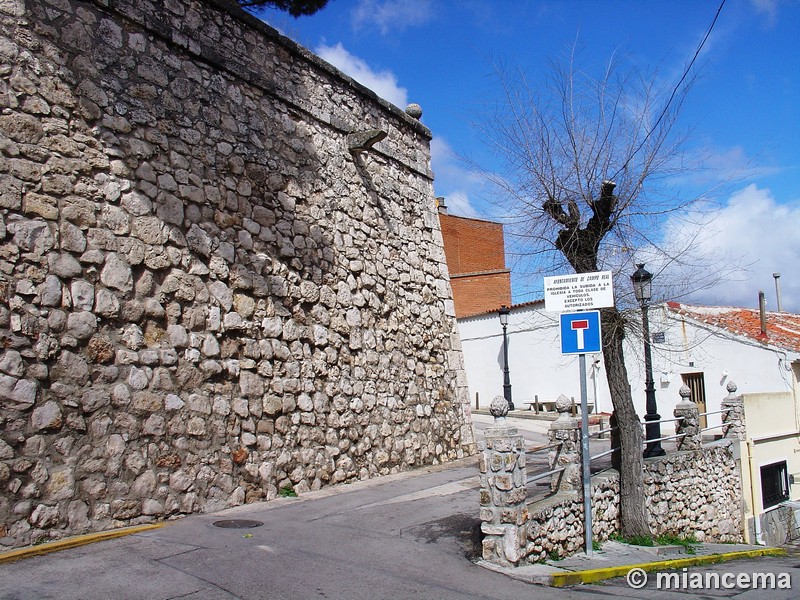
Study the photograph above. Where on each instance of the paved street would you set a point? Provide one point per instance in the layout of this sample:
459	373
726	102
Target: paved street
404	536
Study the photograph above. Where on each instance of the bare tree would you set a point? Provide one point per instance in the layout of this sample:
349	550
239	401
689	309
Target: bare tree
585	180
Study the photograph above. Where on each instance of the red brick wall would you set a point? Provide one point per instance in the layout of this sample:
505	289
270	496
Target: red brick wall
476	248
471	245
478	294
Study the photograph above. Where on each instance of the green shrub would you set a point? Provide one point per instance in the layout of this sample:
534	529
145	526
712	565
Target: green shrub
287	491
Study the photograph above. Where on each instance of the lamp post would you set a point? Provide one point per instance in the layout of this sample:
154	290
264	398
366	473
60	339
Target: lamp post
503	312
643	288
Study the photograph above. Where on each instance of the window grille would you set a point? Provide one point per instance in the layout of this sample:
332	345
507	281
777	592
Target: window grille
774	484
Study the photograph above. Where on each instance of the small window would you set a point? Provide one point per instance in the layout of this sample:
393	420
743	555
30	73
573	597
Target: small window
774	484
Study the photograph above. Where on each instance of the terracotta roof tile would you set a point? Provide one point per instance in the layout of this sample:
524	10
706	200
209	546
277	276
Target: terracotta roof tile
783	329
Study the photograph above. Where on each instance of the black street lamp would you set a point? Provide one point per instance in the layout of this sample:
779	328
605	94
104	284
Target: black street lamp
643	288
503	312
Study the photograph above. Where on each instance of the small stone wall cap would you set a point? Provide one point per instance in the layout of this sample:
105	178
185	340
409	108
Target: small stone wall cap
499	407
414	110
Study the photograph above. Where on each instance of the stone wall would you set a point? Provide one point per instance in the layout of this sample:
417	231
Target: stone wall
204	295
706	503
693	493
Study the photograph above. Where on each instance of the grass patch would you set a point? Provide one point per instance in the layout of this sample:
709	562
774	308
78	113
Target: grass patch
634	540
688	542
287	491
640	540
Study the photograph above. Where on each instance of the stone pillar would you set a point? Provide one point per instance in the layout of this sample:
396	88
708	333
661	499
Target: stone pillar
690	424
503	494
734	429
733	425
565	430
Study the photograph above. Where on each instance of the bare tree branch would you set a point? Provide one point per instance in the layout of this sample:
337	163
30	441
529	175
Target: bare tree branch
560	143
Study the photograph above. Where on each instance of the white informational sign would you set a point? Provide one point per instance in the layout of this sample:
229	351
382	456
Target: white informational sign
579	291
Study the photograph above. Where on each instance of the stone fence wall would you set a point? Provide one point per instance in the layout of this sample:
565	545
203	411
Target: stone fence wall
693	492
206	292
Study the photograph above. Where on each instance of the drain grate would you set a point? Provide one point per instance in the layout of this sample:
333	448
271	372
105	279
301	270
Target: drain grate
237	524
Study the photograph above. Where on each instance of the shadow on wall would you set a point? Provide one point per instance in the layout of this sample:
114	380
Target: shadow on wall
500	363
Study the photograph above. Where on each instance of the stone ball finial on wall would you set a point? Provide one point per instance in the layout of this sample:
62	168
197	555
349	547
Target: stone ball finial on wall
564	404
685	393
499	407
565	420
414	110
731	387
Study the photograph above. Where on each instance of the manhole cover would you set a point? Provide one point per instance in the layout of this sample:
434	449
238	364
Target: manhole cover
237	524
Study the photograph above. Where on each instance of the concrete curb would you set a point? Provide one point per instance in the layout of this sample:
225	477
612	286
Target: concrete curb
595	575
74	542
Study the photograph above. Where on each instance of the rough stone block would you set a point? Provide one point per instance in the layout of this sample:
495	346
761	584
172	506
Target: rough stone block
503	482
47	416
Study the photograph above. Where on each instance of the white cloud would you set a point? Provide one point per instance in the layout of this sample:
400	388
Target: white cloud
391	15
764	235
458	204
383	83
724	166
453	180
768	8
445	163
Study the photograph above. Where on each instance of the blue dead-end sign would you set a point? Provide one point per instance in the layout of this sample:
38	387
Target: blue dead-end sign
580	332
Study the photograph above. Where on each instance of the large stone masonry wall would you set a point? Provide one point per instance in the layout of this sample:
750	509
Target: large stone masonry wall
204	296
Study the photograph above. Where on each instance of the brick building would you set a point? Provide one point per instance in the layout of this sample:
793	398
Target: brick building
475	253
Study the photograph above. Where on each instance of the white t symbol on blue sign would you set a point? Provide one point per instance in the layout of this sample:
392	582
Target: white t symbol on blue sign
578	327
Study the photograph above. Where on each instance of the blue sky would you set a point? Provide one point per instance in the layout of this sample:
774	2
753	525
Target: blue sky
743	111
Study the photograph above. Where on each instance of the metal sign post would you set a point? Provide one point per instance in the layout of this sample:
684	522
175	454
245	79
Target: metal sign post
580	334
587	476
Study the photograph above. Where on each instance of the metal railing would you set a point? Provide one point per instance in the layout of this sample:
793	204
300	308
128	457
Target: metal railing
597	434
545	473
663	438
602	454
721	426
716	412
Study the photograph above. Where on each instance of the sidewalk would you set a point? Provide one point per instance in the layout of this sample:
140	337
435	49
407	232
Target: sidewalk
616	559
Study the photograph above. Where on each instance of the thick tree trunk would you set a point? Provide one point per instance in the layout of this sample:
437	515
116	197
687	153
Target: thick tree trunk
633	515
580	247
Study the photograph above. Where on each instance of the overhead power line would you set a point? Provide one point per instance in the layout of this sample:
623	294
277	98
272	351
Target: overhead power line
678	85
